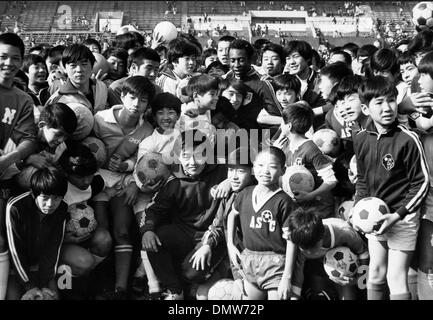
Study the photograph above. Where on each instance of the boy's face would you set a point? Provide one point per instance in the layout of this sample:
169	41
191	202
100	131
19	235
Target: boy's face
271	63
418	56
216	72
185	65
10	62
382	110
234	96
193	161
81	183
223	52
295	63
166	118
134	105
267	169
148	69
118	68
209	60
239	62
93	47
285	97
48	203
425	82
352	107
51	136
37	73
79	72
325	86
239	177
208	100
408	71
53	63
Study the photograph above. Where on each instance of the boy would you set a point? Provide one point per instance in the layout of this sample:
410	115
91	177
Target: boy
273	60
17	134
57	122
142	62
391	166
315	236
78	62
122	128
299	150
36	70
181	211
223	49
263	212
35	224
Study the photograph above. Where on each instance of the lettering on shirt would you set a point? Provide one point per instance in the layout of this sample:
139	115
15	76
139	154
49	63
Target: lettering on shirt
266	217
9	116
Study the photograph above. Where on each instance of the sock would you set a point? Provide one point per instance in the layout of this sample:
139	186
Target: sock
4	274
98	260
152	280
425	292
122	255
400	296
375	291
412	279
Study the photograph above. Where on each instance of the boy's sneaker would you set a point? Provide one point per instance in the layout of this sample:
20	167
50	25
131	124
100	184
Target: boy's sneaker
117	294
172	295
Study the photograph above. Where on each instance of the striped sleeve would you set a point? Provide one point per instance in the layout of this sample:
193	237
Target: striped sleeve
418	174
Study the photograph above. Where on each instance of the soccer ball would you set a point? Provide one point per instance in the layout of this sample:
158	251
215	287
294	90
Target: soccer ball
165	29
221	290
327	141
367	211
151	167
297	178
98	149
423	14
82	219
340	262
344	209
85	121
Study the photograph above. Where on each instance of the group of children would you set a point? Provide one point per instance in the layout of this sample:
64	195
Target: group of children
227	139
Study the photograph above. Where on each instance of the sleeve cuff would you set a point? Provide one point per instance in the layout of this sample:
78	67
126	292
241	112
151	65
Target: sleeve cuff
402	212
149	226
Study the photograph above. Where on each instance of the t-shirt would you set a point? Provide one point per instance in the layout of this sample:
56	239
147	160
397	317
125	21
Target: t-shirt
264	225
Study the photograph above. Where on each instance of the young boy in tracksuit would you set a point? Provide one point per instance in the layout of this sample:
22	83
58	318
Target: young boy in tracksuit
181	212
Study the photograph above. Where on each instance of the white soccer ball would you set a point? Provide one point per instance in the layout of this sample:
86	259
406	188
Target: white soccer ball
340	261
367	211
343	210
422	14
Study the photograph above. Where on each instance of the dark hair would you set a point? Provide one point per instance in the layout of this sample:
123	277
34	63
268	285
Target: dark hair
336	71
286	81
240	44
302	47
90	41
383	60
119	53
59	116
201	84
347	57
166	100
348	85
193	40
366	50
300	115
48	181
208	53
36	48
406	57
317	60
376	86
30	59
306	228
426	64
78	160
217	64
226	39
259	43
55	51
129	40
141	54
237	84
276	152
77	52
161	48
422	42
13	40
181	47
277	49
352	47
139	86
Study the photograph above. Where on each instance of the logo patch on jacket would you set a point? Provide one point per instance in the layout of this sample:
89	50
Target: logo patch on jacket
388	162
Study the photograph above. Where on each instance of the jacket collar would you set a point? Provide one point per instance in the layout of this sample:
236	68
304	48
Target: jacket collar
371	128
68	87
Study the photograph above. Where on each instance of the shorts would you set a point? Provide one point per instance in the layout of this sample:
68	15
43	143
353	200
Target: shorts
403	235
427	206
263	268
114	184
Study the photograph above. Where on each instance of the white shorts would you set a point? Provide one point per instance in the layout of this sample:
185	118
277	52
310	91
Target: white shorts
427	206
403	235
114	182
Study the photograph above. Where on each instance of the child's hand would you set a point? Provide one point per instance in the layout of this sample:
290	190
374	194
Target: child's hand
33	294
281	142
234	255
201	257
343	281
238	290
302	196
284	288
99	75
38	161
115	164
49	294
73	238
420	100
352	176
147	187
150	241
387	221
192	113
130	193
222	190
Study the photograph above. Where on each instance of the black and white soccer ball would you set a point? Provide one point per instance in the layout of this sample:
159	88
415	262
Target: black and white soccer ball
340	261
